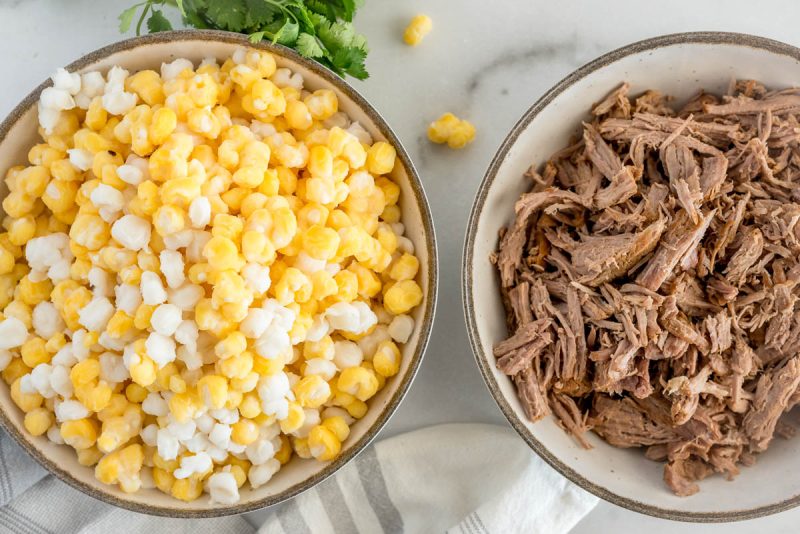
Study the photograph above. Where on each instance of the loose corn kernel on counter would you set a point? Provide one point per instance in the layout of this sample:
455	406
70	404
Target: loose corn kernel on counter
202	273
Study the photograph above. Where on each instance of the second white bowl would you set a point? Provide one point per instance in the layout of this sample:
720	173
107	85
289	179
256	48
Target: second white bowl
678	65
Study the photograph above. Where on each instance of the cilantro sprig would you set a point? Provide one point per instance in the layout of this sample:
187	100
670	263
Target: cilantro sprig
317	29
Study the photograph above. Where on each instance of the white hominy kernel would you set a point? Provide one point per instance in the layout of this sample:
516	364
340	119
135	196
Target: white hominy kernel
255	323
102	282
343	316
401	328
110	199
170	71
48	118
260	451
5	359
160	348
220	435
165	319
54	435
118	102
168	445
65	356
225	416
152	289
70	82
217	454
95	315
200	212
256	277
60	381
360	133
41	379
347	354
186	297
223	489
112	368
197	443
131	232
149	435
172	267
204	423
273	342
57	99
261	474
70	410
319	328
81	159
154	404
46	320
130	174
182	431
322	367
404	244
128	298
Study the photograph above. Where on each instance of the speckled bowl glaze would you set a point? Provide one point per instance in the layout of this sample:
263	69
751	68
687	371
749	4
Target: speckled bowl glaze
18	134
677	65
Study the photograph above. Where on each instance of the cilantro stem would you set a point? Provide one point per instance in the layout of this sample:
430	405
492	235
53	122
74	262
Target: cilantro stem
141	19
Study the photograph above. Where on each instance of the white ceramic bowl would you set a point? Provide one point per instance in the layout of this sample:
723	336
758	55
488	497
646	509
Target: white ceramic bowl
18	134
677	65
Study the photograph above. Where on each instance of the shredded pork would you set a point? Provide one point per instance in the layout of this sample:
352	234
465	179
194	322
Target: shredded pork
651	278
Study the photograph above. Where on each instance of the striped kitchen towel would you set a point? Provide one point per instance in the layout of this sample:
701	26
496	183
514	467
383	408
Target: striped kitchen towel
459	479
455	478
33	502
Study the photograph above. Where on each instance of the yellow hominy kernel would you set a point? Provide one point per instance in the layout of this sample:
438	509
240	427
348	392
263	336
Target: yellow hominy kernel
381	158
244	432
186	489
402	297
323	443
451	130
163	124
80	433
417	29
34	352
147	84
38	421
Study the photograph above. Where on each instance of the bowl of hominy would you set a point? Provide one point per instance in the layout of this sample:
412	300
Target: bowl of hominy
218	274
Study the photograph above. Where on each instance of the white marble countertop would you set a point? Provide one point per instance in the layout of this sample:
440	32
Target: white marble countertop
485	61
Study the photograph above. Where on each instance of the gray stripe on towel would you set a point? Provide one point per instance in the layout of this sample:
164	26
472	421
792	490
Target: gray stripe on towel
292	520
330	493
369	470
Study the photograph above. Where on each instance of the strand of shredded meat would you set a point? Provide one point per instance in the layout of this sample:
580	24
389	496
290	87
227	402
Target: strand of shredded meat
651	279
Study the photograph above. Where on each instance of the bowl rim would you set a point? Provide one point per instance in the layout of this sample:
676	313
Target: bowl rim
485	363
426	325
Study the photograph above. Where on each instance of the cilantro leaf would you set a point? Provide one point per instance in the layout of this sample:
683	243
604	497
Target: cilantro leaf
256	37
348	9
297	8
158	22
351	61
283	31
318	29
228	15
359	41
335	35
308	46
261	12
193	13
126	18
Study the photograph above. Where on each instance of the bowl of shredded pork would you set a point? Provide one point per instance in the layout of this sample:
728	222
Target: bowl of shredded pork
646	278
